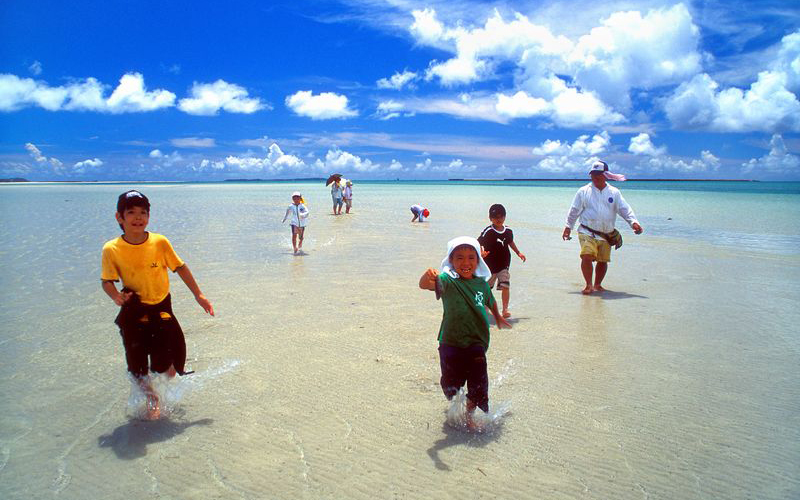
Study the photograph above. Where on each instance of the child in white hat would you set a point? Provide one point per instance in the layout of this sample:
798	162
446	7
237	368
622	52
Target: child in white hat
464	332
299	218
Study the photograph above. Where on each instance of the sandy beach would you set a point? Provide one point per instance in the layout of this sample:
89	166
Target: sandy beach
319	376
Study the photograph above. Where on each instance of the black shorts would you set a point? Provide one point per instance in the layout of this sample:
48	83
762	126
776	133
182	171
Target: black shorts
162	343
465	365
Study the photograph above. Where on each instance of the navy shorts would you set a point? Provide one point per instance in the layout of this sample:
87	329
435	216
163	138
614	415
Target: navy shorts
465	365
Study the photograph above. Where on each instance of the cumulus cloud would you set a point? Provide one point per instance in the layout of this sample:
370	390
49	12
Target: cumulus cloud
777	161
35	68
521	105
642	145
770	104
193	142
395	166
339	160
85	165
583	146
156	153
655	160
87	95
398	80
767	106
565	157
207	99
628	50
323	106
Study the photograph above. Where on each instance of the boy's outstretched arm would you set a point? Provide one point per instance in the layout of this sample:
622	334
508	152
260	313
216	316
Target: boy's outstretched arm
191	284
428	279
516	250
498	318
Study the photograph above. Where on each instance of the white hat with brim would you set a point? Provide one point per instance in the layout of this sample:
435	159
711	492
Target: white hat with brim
482	270
297	193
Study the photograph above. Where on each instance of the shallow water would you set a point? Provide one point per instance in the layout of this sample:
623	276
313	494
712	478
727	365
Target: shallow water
319	376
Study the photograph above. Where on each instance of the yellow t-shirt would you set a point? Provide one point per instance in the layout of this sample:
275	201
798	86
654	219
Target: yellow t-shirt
142	267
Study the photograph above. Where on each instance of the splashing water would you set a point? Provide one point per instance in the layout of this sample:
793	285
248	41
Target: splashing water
171	391
483	422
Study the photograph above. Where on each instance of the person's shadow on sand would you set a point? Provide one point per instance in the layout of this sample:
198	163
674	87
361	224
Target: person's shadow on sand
612	295
130	440
454	437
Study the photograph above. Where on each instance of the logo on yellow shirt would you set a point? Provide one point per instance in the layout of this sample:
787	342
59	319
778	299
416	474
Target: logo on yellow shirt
154	264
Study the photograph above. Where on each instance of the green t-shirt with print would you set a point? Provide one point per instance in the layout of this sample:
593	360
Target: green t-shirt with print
464	322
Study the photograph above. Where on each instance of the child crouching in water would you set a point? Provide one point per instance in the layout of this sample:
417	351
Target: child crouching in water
464	332
147	324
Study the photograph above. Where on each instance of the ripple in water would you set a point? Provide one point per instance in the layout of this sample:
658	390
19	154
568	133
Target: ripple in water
488	422
171	391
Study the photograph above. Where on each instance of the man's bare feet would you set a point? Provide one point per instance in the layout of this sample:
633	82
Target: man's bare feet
506	314
598	288
587	290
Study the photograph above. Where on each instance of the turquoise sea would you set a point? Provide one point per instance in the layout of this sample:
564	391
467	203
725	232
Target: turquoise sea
318	378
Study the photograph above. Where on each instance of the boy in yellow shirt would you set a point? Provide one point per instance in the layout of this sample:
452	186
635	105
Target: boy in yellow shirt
147	323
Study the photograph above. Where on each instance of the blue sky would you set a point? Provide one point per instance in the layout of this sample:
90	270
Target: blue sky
398	89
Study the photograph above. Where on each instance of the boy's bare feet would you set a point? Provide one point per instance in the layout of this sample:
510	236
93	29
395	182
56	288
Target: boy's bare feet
587	290
598	288
153	407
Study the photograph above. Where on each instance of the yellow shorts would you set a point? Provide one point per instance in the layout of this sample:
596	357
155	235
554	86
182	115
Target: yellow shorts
599	249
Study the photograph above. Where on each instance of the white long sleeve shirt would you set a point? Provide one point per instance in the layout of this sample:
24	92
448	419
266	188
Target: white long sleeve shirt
598	209
298	214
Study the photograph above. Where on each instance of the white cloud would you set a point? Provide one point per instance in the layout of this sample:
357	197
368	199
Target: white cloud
659	164
389	109
766	106
631	50
642	145
339	160
777	161
276	162
770	104
563	157
628	50
479	107
41	159
35	68
654	160
395	166
156	153
85	165
193	142
324	106
581	147
88	95
398	80
131	96
521	105
208	98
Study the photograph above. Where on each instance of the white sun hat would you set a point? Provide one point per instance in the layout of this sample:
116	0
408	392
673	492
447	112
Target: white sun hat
482	270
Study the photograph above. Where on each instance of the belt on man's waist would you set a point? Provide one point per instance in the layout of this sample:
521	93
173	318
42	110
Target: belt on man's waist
614	238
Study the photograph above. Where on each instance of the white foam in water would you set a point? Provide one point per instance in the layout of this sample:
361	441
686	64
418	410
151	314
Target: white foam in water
485	422
171	391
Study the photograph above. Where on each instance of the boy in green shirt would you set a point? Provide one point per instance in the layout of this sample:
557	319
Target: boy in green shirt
464	332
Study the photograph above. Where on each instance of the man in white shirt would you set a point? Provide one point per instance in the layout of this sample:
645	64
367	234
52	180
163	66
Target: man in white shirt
597	204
